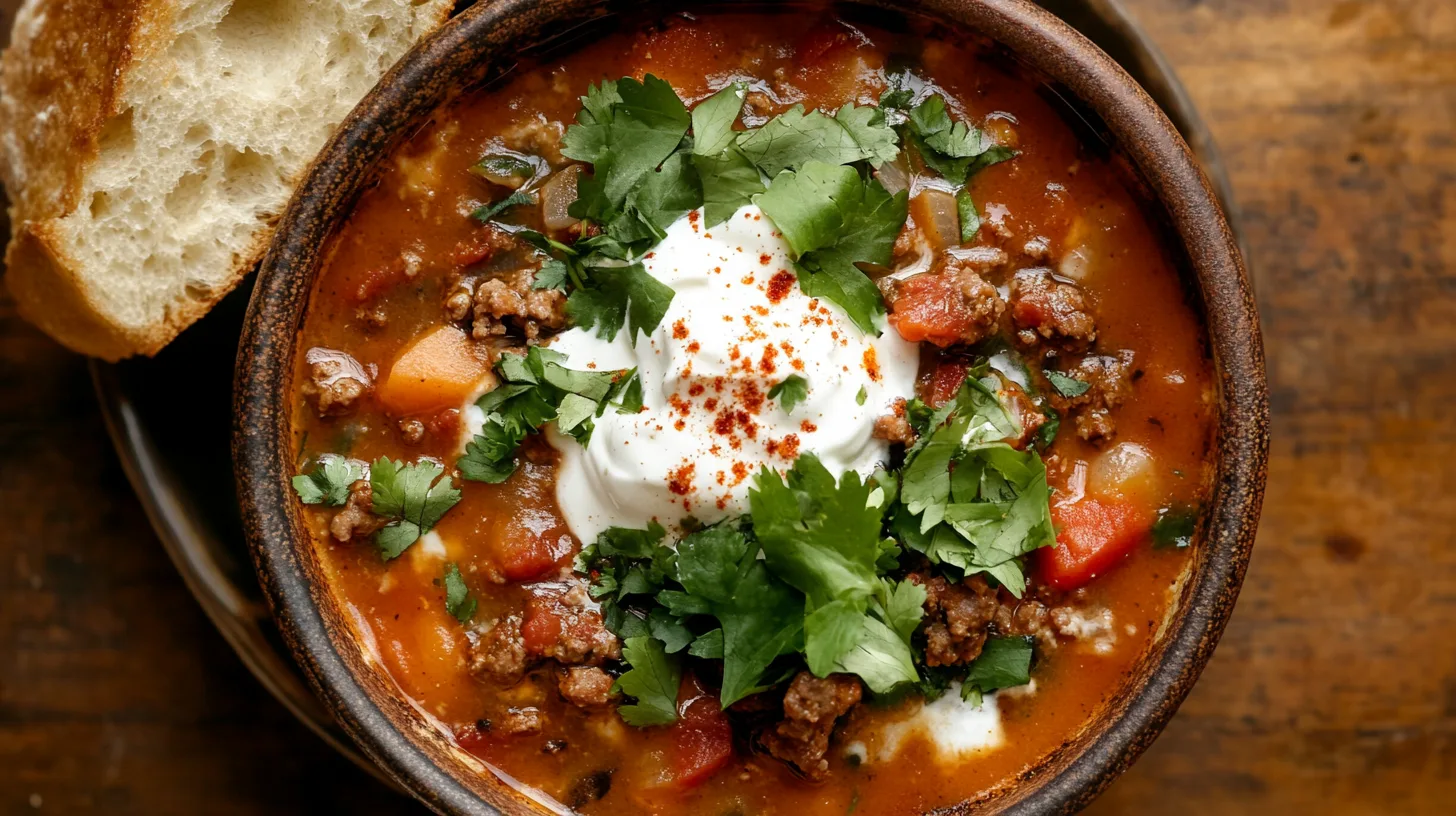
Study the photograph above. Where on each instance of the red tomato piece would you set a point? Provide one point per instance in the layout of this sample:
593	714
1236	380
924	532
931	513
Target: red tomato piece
526	558
542	626
932	308
702	736
945	383
1094	535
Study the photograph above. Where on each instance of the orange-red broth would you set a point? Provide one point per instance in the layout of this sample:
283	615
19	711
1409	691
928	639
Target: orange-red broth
418	205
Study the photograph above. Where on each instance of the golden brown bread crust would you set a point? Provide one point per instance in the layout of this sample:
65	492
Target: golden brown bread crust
60	82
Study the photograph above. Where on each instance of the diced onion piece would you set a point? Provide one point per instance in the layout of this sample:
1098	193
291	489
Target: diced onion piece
556	196
1127	470
894	175
935	213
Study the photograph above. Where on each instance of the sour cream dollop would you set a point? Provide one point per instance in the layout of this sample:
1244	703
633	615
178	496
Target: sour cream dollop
738	326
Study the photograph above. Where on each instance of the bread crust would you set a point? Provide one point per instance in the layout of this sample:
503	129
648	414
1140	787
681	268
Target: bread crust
60	82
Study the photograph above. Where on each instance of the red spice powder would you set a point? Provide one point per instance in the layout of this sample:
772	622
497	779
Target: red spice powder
740	472
872	364
711	404
694	347
680	481
723	423
766	362
789	448
765	259
779	285
695	390
680	330
797	364
808	427
751	397
722	478
679	425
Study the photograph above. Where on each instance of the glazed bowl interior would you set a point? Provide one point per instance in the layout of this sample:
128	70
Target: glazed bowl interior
488	41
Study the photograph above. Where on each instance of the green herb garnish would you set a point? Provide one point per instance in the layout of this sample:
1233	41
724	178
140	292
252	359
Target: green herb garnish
458	600
791	391
414	496
328	483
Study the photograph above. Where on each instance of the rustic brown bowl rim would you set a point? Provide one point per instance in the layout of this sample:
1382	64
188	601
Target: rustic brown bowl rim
396	737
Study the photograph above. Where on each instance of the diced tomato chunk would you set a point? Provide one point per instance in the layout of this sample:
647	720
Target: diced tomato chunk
542	626
932	308
1093	536
945	383
526	558
702	736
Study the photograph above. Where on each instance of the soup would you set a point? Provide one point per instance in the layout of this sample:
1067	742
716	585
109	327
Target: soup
754	413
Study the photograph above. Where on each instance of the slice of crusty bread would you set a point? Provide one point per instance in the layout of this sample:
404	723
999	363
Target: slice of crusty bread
149	145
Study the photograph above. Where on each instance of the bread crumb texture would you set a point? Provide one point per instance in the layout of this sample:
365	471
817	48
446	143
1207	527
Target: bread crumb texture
150	145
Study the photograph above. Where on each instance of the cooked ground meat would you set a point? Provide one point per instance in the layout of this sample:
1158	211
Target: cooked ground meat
1042	306
1024	618
356	517
586	686
811	707
510	301
892	428
956	617
411	431
537	136
581	638
947	306
499	653
521	722
336	382
1110	384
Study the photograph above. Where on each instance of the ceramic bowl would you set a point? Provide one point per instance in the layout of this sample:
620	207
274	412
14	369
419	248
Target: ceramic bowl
487	40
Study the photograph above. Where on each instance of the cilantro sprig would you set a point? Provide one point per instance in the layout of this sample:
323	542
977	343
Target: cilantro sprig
413	496
536	388
328	483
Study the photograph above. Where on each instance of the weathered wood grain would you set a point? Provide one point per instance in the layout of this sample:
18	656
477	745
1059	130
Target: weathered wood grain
1334	691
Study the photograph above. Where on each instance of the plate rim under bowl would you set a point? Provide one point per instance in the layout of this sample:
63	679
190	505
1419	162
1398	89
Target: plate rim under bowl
399	739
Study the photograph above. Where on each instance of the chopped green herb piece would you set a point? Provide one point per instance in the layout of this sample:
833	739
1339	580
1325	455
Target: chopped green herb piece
953	149
653	680
833	218
1047	433
1068	387
621	295
458	601
487	213
1004	663
414	496
1175	527
536	389
859	399
790	392
970	219
328	483
794	139
713	119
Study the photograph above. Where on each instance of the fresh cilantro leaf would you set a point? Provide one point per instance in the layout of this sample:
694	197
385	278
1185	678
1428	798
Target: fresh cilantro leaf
822	538
859	399
535	389
488	212
791	391
793	139
713	119
761	616
621	295
627	394
653	680
953	149
904	606
669	630
1175	527
832	219
509	166
328	483
629	542
970	219
708	645
729	181
625	130
925	488
458	601
490	455
1068	387
413	496
1004	663
1047	433
663	196
551	275
880	658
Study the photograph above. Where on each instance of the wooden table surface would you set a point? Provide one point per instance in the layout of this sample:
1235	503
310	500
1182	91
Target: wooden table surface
1334	690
